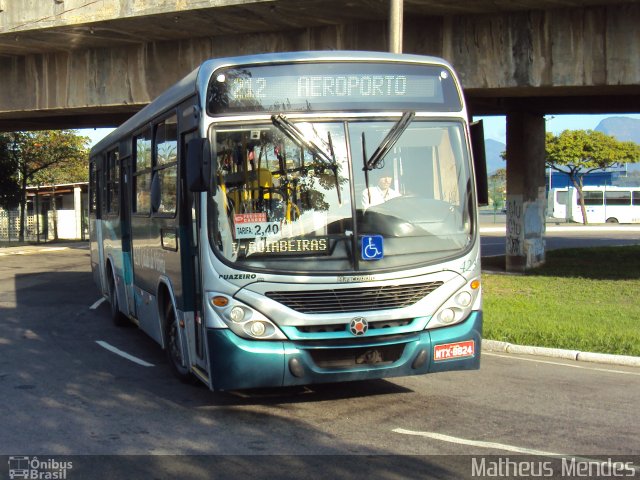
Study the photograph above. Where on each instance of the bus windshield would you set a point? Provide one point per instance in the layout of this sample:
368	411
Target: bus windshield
335	196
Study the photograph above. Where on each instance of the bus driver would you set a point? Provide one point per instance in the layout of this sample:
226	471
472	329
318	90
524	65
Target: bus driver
382	192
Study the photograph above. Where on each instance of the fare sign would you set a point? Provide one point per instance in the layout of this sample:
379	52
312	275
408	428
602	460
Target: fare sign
254	225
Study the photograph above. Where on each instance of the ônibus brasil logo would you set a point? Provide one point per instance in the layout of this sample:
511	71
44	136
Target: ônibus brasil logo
38	469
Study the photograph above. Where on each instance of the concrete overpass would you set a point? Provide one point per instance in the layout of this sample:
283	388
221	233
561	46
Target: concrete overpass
89	63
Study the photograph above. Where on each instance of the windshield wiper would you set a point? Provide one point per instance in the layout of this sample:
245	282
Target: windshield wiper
296	135
389	141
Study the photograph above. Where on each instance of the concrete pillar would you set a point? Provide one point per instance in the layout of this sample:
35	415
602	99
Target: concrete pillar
396	25
526	193
77	207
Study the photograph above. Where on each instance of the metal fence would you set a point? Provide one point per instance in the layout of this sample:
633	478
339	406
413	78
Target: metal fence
40	227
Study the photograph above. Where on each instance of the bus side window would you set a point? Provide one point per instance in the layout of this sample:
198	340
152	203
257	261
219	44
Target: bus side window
591	198
113	181
618	197
142	174
93	187
166	165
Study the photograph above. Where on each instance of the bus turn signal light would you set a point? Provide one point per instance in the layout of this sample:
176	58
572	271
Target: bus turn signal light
220	301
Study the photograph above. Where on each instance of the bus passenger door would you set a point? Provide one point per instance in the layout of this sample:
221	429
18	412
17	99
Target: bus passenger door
191	263
127	253
95	223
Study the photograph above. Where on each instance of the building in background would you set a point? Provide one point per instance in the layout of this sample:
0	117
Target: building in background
54	212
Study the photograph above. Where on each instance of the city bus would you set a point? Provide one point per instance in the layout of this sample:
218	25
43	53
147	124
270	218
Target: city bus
603	204
244	221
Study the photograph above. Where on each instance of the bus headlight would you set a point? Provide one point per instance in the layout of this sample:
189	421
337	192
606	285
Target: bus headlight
457	307
464	299
243	320
236	314
447	316
256	329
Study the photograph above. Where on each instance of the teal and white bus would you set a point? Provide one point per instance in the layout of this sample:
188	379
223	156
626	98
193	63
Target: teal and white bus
295	218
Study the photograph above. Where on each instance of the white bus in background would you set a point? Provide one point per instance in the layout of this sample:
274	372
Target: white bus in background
604	204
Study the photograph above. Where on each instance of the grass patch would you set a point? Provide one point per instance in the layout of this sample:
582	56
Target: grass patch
581	299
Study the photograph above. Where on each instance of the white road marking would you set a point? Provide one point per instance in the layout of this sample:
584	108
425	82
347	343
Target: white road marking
561	364
97	303
477	443
117	351
497	446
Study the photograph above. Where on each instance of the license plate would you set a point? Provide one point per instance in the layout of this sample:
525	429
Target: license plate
448	351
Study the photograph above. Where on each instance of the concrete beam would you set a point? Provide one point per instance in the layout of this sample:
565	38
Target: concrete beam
569	60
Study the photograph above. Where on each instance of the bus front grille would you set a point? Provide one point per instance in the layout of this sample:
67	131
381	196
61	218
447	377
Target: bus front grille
343	300
357	357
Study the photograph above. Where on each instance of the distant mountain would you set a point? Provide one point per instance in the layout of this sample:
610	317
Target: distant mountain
623	128
493	149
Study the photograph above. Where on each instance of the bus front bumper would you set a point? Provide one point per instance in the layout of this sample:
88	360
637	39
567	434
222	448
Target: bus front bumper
238	363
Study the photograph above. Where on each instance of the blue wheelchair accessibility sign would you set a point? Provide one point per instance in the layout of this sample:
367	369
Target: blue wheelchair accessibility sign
372	247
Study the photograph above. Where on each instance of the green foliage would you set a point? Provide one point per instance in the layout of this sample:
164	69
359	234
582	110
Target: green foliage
53	156
586	150
576	301
9	185
498	188
578	152
45	157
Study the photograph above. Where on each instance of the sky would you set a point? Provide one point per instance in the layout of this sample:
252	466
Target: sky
494	127
95	134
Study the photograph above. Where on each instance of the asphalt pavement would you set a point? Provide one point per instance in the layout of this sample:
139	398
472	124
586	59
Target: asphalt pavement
487	227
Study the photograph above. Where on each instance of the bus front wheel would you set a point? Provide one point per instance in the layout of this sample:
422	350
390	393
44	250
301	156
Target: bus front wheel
174	351
612	220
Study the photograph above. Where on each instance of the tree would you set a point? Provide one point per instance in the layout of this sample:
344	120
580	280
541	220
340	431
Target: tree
9	185
37	152
579	152
498	188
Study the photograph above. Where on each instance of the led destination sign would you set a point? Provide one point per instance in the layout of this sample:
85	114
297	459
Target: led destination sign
322	87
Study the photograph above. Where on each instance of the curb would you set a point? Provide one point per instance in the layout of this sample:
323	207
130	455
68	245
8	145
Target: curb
488	228
504	347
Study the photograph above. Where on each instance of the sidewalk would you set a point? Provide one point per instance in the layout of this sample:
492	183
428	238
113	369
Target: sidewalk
504	347
569	227
6	248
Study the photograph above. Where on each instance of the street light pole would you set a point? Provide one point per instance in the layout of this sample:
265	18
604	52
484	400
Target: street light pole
395	26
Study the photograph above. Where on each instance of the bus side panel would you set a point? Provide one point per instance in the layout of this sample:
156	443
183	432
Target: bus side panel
595	214
95	223
112	252
148	265
97	254
148	314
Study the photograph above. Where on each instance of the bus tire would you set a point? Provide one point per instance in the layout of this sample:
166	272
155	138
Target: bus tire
173	350
612	220
117	317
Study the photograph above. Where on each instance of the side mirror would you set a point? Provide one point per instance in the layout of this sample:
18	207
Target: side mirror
198	164
479	162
